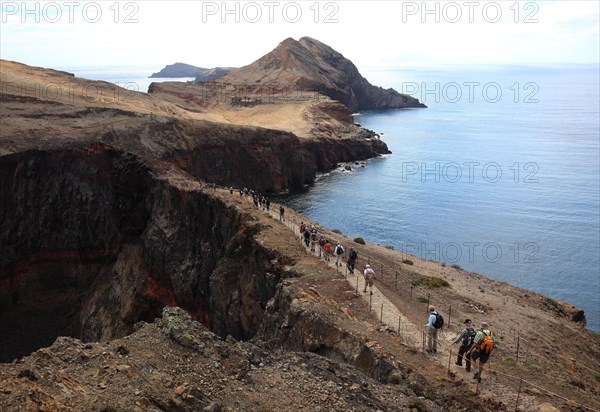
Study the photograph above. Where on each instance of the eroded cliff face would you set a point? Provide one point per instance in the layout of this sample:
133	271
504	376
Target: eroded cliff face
93	241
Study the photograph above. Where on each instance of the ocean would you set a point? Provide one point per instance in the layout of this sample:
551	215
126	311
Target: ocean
499	175
131	78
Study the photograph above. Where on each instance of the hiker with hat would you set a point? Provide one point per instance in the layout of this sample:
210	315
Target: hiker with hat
466	338
369	275
480	350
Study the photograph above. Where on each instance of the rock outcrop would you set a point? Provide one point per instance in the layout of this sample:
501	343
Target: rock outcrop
310	65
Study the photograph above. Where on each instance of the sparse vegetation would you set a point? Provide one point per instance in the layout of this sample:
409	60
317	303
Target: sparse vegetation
597	377
122	350
457	267
508	361
418	405
430	282
359	240
338	231
390	247
439	378
408	262
577	383
443	264
422	299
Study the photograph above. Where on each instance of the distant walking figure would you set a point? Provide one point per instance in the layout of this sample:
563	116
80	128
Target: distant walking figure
352	256
306	236
434	324
339	254
369	275
281	212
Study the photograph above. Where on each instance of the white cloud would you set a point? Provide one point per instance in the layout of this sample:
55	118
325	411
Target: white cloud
371	33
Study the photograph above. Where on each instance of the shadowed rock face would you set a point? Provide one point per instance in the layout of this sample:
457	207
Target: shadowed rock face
93	242
310	65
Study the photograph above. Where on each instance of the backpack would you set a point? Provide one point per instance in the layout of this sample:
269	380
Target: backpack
439	321
468	339
339	250
353	254
487	344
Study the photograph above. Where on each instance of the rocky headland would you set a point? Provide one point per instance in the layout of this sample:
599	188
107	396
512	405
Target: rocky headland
129	282
178	70
311	66
200	74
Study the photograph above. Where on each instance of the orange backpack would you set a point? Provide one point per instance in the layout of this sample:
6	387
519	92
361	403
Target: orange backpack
487	344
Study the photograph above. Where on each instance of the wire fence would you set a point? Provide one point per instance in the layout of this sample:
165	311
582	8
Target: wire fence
403	282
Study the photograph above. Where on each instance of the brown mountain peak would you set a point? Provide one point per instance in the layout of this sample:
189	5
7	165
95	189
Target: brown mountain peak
310	65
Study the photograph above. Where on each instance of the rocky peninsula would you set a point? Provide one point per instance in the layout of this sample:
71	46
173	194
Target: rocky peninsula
129	282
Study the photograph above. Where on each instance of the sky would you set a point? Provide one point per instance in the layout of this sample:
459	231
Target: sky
373	34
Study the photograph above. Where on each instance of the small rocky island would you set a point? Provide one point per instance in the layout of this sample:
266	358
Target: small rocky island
178	70
199	74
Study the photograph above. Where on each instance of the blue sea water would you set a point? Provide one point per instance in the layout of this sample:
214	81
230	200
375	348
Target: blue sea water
500	174
130	78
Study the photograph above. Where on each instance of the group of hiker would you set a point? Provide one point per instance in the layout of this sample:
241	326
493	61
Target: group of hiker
258	199
312	239
475	345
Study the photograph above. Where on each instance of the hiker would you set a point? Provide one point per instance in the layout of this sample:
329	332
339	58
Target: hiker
369	275
466	336
268	204
281	212
352	256
480	350
306	236
339	254
313	239
328	250
302	228
322	242
434	324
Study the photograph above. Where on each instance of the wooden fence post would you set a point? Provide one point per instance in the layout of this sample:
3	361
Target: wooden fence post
518	395
399	325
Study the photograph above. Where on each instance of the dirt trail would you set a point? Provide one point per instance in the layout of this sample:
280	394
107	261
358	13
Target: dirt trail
413	335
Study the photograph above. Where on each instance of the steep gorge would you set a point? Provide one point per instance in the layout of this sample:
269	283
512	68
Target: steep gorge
94	241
